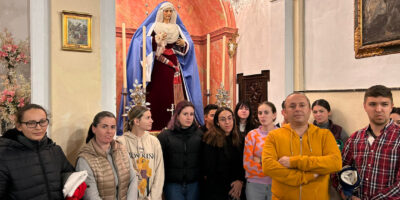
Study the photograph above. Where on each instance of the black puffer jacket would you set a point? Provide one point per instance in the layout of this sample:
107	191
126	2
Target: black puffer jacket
31	169
181	149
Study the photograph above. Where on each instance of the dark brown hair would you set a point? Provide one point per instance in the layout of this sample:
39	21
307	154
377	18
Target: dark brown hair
378	91
99	116
269	104
323	103
174	122
216	136
395	110
20	113
249	121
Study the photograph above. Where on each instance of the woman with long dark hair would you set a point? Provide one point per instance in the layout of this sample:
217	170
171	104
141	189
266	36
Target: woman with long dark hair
181	146
244	118
223	158
110	171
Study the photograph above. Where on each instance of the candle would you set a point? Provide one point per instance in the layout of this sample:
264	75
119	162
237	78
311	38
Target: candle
208	62
124	55
144	64
223	59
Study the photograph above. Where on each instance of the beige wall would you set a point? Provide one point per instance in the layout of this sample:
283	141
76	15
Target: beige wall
75	79
347	108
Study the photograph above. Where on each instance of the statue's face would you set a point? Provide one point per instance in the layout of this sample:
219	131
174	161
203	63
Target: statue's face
167	15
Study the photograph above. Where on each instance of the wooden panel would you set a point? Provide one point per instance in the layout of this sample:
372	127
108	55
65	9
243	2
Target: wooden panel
253	88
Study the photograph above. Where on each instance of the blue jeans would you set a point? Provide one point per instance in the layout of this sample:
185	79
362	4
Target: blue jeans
258	191
175	191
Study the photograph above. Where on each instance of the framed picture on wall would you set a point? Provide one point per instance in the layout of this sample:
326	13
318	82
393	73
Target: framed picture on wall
76	31
376	27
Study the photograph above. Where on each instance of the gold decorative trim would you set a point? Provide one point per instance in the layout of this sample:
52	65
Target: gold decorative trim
76	36
377	49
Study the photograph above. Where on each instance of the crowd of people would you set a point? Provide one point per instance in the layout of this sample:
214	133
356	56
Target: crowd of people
229	157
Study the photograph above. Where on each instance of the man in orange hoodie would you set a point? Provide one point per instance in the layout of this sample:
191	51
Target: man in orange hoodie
299	157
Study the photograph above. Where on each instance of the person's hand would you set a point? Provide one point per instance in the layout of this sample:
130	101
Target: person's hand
285	161
236	189
180	42
257	159
163	36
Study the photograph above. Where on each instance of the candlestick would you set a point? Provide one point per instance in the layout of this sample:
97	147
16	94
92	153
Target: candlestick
208	61
124	55
223	59
144	64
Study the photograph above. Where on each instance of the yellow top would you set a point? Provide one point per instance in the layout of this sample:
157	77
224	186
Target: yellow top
313	157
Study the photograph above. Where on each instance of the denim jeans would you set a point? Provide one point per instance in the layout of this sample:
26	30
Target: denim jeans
176	191
258	191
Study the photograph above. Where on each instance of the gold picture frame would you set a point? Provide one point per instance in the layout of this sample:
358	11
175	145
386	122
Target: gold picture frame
376	28
76	31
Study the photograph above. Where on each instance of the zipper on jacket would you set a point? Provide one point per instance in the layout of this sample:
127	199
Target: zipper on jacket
44	173
116	171
301	153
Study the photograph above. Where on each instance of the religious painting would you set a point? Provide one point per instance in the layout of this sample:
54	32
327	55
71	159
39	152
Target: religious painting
15	69
76	31
377	27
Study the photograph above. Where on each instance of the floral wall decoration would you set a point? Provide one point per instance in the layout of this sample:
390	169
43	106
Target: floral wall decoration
15	88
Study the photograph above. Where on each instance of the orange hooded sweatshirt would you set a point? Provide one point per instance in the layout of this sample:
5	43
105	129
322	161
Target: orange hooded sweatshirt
313	157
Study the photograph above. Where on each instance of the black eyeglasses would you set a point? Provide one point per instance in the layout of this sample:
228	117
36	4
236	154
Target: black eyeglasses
33	124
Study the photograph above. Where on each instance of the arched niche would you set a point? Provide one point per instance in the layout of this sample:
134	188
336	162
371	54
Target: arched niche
200	18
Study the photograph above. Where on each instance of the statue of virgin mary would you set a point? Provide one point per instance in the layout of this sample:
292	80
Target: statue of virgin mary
172	73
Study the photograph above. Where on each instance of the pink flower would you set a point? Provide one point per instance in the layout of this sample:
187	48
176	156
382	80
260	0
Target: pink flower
7	47
9	99
3	98
21	104
11	93
3	54
5	92
14	47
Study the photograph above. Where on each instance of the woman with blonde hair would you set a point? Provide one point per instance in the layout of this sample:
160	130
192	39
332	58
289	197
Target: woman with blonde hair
145	152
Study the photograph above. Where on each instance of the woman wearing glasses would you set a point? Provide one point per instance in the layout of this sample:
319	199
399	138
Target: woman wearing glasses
223	158
110	171
32	166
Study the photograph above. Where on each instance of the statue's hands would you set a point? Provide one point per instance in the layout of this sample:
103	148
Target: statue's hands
180	42
163	36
